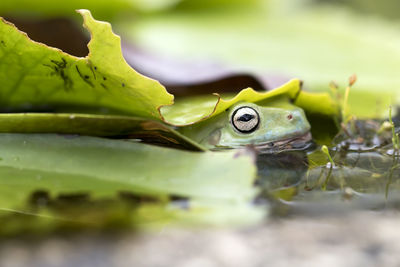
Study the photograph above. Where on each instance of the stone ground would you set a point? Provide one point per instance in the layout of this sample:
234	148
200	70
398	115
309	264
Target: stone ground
362	238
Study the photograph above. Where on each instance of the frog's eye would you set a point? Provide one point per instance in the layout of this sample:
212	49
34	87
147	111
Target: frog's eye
245	119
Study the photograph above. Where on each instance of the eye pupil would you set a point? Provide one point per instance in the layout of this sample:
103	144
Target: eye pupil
245	119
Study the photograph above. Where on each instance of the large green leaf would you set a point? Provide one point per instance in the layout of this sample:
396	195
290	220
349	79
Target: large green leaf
126	164
36	77
101	168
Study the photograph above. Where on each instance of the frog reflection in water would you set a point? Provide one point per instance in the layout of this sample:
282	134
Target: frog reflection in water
274	127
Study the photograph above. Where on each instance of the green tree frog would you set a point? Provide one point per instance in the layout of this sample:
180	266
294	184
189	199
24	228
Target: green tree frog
278	126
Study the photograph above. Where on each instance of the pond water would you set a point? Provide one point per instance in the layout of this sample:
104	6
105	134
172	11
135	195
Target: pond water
364	175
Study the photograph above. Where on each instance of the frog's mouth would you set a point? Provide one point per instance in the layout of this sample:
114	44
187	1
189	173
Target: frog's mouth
294	143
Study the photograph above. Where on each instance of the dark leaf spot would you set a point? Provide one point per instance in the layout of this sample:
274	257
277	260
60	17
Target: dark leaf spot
104	86
58	68
39	198
84	77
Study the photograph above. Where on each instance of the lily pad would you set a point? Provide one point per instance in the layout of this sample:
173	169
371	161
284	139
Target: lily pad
103	169
126	164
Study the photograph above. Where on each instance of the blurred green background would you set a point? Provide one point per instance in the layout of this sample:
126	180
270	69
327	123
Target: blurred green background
315	40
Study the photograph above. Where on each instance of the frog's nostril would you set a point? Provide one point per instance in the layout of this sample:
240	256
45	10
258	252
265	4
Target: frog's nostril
289	117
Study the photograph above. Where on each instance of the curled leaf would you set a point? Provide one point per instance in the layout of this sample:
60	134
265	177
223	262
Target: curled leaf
36	77
190	110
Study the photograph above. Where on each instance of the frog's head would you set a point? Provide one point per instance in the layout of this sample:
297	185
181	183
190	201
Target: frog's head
269	127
